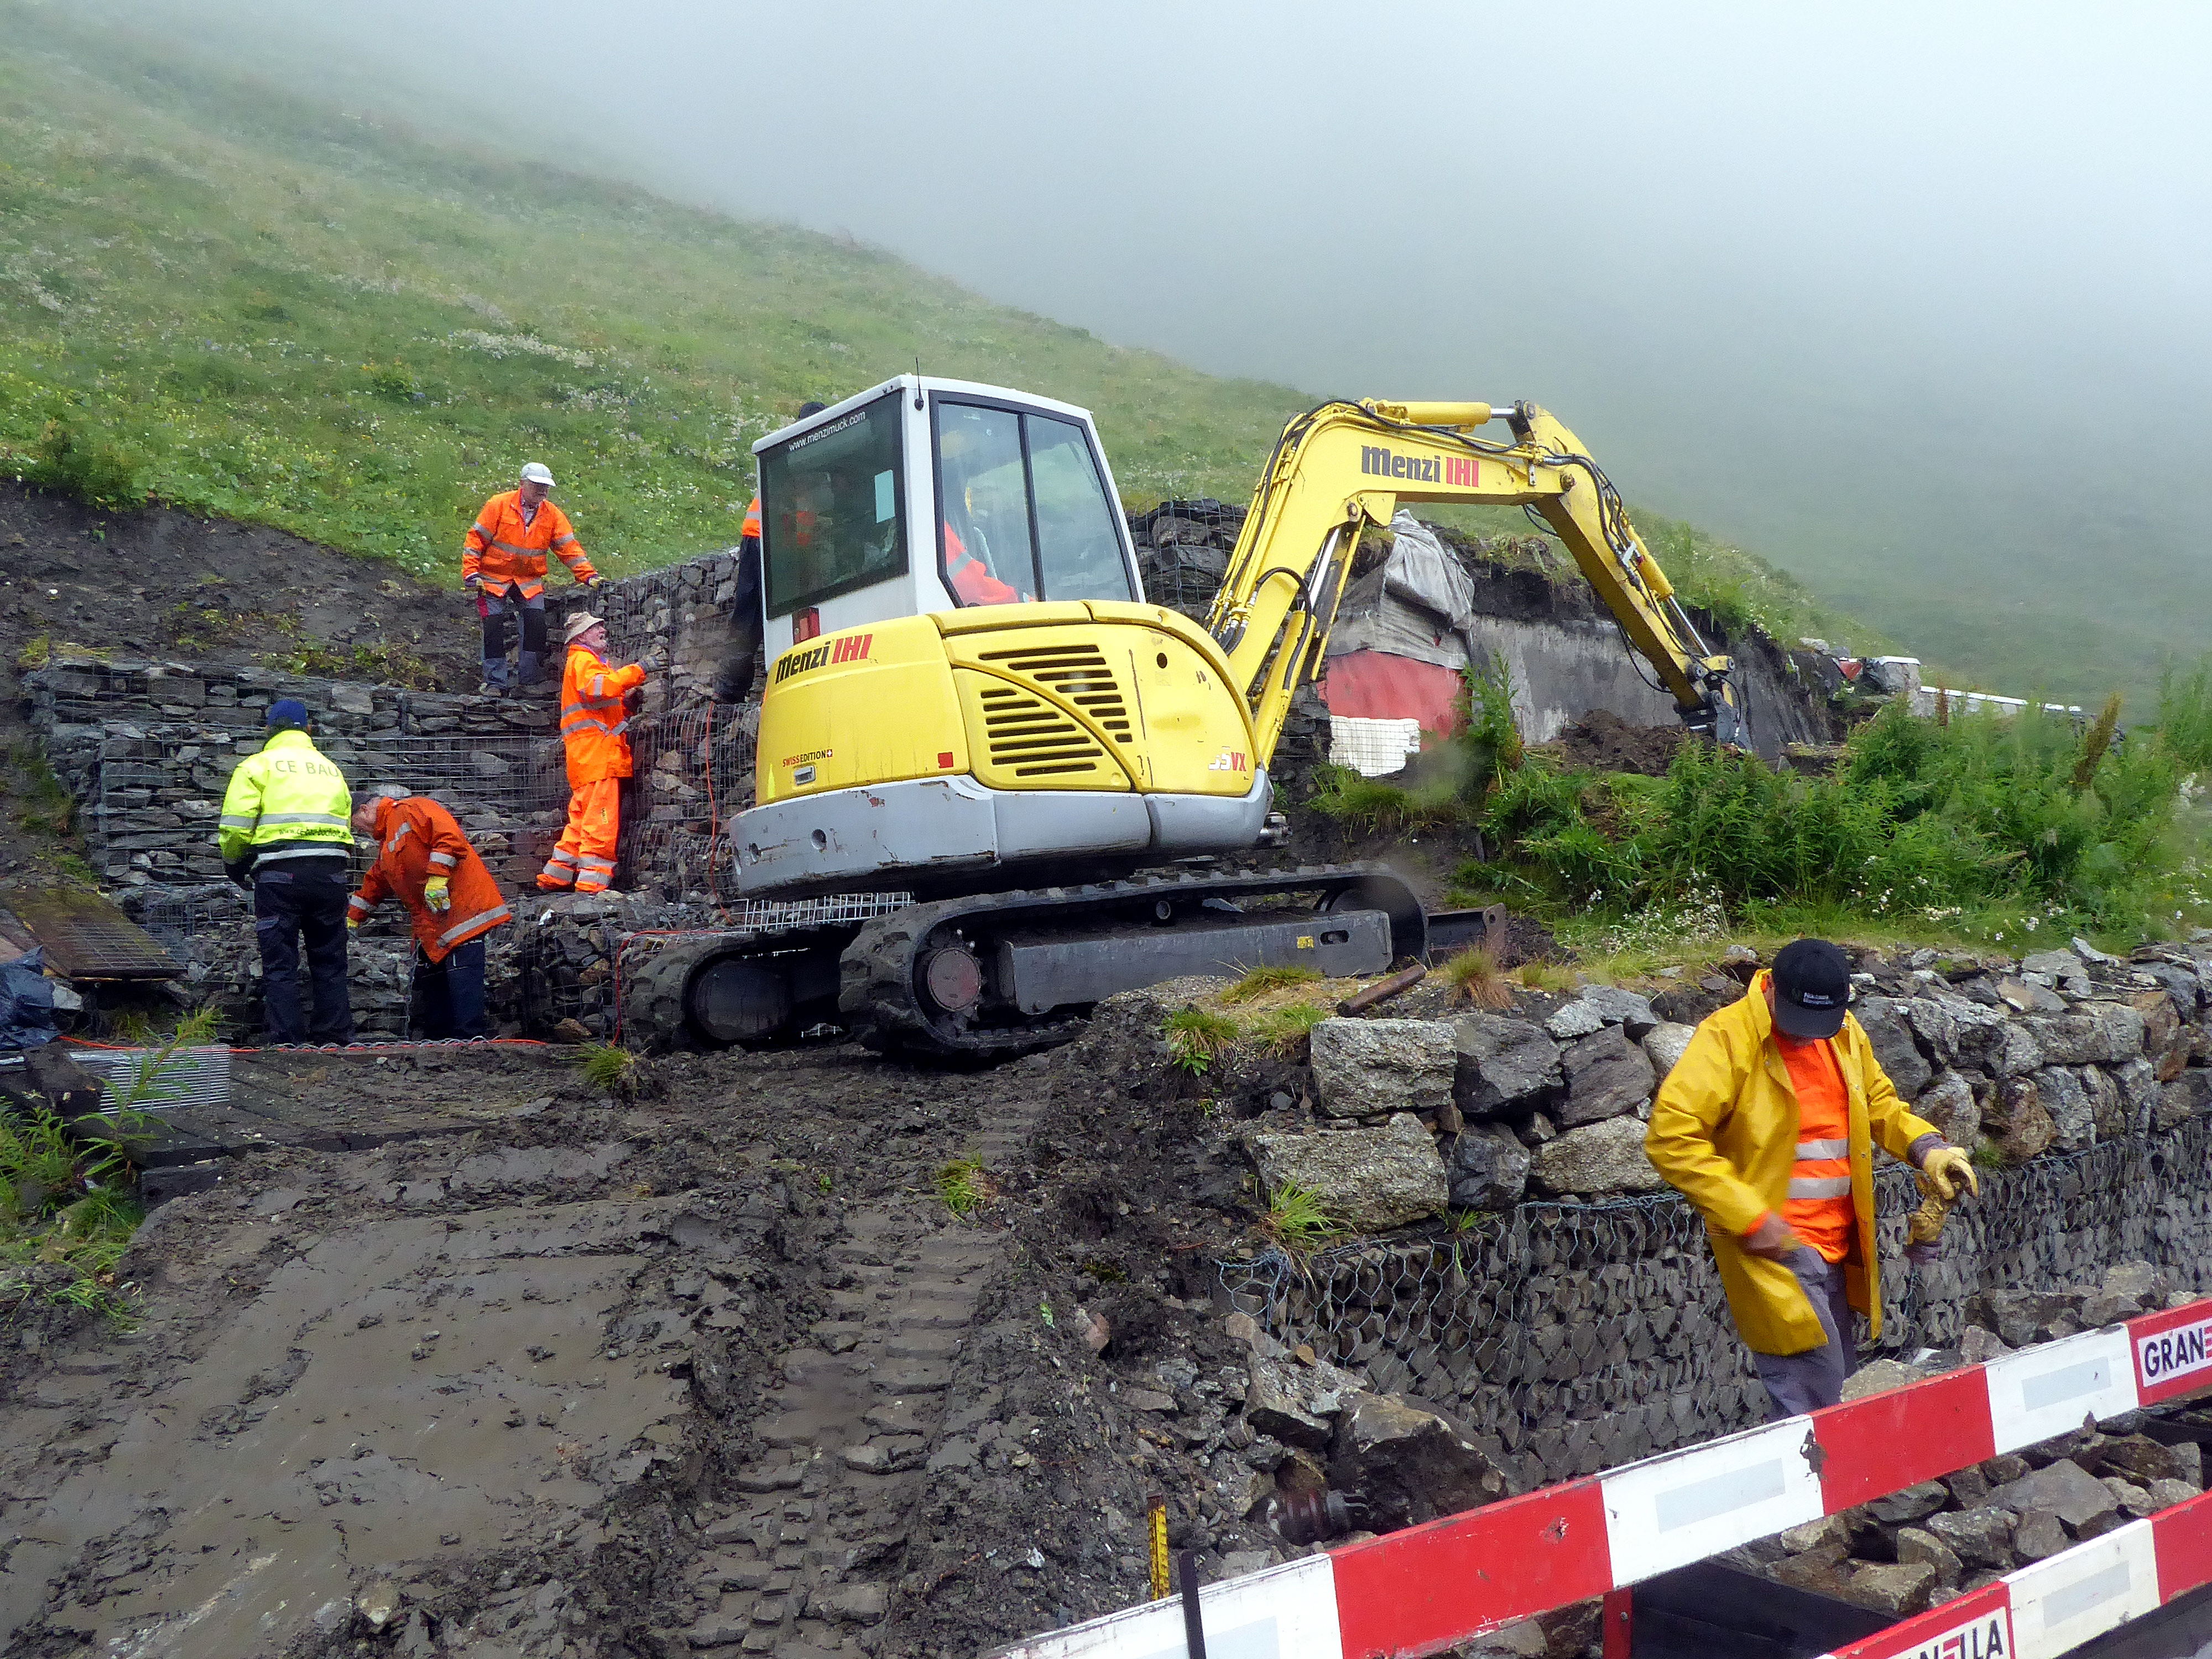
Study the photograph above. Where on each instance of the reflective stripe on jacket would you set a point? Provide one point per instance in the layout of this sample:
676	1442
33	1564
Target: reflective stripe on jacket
507	553
415	840
1724	1132
592	720
288	792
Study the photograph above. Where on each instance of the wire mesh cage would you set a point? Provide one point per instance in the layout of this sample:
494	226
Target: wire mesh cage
1579	1336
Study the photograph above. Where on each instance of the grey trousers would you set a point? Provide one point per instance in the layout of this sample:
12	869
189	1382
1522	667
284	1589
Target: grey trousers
1798	1382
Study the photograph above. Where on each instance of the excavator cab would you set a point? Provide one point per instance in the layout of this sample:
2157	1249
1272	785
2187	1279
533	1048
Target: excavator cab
921	495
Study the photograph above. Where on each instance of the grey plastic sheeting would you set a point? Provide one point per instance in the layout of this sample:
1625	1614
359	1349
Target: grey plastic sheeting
1421	608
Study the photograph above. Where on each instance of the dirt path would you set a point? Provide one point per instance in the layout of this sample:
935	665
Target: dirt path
590	1378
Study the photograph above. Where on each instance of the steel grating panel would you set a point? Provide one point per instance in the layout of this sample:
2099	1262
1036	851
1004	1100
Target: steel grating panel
85	937
190	1077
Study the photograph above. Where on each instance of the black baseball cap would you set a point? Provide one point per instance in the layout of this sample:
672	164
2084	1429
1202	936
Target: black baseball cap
1811	988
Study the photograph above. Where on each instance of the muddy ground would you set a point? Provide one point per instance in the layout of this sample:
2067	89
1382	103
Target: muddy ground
710	1368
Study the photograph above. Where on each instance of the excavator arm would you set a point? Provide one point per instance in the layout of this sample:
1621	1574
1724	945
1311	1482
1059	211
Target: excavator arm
1345	465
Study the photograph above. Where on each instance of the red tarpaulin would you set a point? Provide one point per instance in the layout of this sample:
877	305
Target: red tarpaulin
1376	685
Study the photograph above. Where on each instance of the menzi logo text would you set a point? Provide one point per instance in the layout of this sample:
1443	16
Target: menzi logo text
846	647
1461	471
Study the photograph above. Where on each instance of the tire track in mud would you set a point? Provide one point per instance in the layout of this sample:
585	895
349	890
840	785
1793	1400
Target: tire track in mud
803	1558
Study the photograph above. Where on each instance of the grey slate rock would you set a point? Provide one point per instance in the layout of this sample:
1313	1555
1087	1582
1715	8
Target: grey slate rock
2063	1488
1894	1046
1602	1158
1362	1067
1607	1076
1900	1587
1295	1403
1948	1103
1909	1505
2073	1113
1501	1064
1935	1025
1369	1179
1616	1006
2139	1090
2038	1537
1978	1537
2189	1096
1489	1169
1923	1548
1578	1019
1664	1045
2102	1033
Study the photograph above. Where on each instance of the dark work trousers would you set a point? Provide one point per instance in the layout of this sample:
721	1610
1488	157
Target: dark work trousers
494	608
449	996
1798	1382
296	900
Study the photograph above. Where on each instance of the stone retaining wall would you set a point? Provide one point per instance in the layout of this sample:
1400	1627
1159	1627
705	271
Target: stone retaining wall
1569	1312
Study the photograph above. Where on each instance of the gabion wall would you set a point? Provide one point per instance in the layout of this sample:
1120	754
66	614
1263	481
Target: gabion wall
1577	1337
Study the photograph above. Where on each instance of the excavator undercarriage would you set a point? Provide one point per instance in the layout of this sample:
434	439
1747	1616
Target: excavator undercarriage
994	976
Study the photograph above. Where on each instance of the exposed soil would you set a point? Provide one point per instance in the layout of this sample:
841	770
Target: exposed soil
1600	741
156	582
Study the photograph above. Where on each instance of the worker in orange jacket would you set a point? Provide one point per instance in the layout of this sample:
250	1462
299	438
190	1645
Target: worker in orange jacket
595	704
424	861
503	569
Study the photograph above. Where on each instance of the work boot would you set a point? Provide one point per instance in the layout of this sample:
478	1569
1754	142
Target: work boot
494	675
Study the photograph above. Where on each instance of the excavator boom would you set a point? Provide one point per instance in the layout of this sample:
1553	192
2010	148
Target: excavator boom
1345	466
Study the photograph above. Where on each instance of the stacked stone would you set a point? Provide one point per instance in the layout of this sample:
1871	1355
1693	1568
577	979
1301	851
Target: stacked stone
1931	1542
1572	1315
148	747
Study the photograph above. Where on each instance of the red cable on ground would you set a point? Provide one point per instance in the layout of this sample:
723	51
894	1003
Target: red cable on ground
332	1047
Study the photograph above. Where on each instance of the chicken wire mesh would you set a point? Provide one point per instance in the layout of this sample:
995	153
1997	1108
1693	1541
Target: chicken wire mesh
1574	1337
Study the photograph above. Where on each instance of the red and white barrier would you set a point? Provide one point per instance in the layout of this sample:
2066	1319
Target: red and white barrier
1422	1590
2053	1607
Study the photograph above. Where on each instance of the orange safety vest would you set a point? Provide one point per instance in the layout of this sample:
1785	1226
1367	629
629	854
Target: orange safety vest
752	526
592	720
970	577
417	839
509	553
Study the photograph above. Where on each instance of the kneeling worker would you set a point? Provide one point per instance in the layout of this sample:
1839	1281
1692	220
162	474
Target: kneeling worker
424	861
284	830
1767	1125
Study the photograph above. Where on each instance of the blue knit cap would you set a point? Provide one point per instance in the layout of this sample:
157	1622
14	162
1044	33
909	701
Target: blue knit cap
287	714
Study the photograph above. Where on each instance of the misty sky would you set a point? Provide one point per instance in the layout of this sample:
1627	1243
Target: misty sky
1906	297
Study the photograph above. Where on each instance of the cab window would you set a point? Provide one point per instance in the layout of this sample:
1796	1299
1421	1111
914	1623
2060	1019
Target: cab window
831	518
1026	515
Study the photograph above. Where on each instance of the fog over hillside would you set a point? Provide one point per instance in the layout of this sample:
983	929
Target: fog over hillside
1909	298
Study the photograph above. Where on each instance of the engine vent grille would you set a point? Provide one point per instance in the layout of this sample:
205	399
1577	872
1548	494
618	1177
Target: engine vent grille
1032	738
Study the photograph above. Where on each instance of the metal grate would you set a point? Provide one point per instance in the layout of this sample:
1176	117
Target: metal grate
759	915
1577	1337
86	937
140	1080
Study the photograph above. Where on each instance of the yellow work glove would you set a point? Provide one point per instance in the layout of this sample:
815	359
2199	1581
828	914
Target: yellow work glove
1948	1170
436	893
353	924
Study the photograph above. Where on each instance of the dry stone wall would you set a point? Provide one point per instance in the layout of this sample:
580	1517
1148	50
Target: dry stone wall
148	747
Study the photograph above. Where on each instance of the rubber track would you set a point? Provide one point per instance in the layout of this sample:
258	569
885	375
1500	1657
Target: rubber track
652	995
877	998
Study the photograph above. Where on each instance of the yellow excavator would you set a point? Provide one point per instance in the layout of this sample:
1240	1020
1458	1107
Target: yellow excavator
975	732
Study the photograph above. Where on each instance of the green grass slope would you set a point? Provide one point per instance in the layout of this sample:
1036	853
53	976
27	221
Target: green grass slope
274	308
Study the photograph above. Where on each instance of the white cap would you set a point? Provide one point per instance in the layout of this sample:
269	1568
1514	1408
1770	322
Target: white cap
537	473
